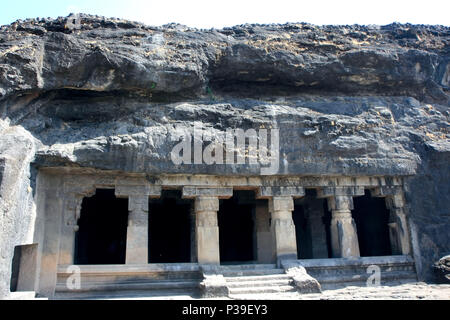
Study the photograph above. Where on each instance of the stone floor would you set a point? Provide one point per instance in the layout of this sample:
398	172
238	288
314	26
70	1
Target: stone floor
411	291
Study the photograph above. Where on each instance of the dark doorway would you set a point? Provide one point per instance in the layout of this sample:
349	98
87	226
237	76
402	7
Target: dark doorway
304	250
327	223
371	217
102	234
311	226
170	228
236	227
15	269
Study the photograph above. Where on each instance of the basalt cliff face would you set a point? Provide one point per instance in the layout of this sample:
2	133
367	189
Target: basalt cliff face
110	94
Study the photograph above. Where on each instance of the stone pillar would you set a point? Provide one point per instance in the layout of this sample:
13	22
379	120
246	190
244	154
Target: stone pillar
344	238
316	228
192	219
282	228
398	227
264	246
51	206
206	222
74	193
137	230
207	230
72	210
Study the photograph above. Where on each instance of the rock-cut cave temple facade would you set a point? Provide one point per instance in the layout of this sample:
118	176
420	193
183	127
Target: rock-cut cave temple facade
147	158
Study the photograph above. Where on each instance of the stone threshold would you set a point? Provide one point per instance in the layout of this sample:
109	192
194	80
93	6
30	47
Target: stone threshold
356	261
130	268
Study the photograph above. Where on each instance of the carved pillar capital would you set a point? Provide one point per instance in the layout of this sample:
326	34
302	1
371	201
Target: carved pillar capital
340	204
206	209
72	210
206	204
196	192
128	190
349	191
138	210
395	201
281	203
278	191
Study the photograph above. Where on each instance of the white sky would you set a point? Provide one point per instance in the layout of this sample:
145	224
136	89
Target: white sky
208	14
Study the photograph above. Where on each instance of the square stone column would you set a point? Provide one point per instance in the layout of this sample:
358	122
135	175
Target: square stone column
344	237
137	230
193	226
264	245
72	209
206	222
283	228
207	229
398	227
73	194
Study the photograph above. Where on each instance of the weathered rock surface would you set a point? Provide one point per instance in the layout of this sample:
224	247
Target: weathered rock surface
302	280
443	268
115	95
98	54
16	199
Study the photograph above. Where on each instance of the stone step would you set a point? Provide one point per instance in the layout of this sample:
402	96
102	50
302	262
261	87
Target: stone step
172	294
247	267
251	272
263	283
393	278
123	273
385	277
288	295
258	278
104	278
354	270
130	285
259	290
318	267
22	295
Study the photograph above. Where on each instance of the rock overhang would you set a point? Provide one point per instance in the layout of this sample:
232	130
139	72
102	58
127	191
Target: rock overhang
111	93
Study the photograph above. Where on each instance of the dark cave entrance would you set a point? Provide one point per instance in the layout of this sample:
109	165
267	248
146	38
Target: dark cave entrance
15	269
304	248
236	227
102	234
371	218
170	228
327	223
312	223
